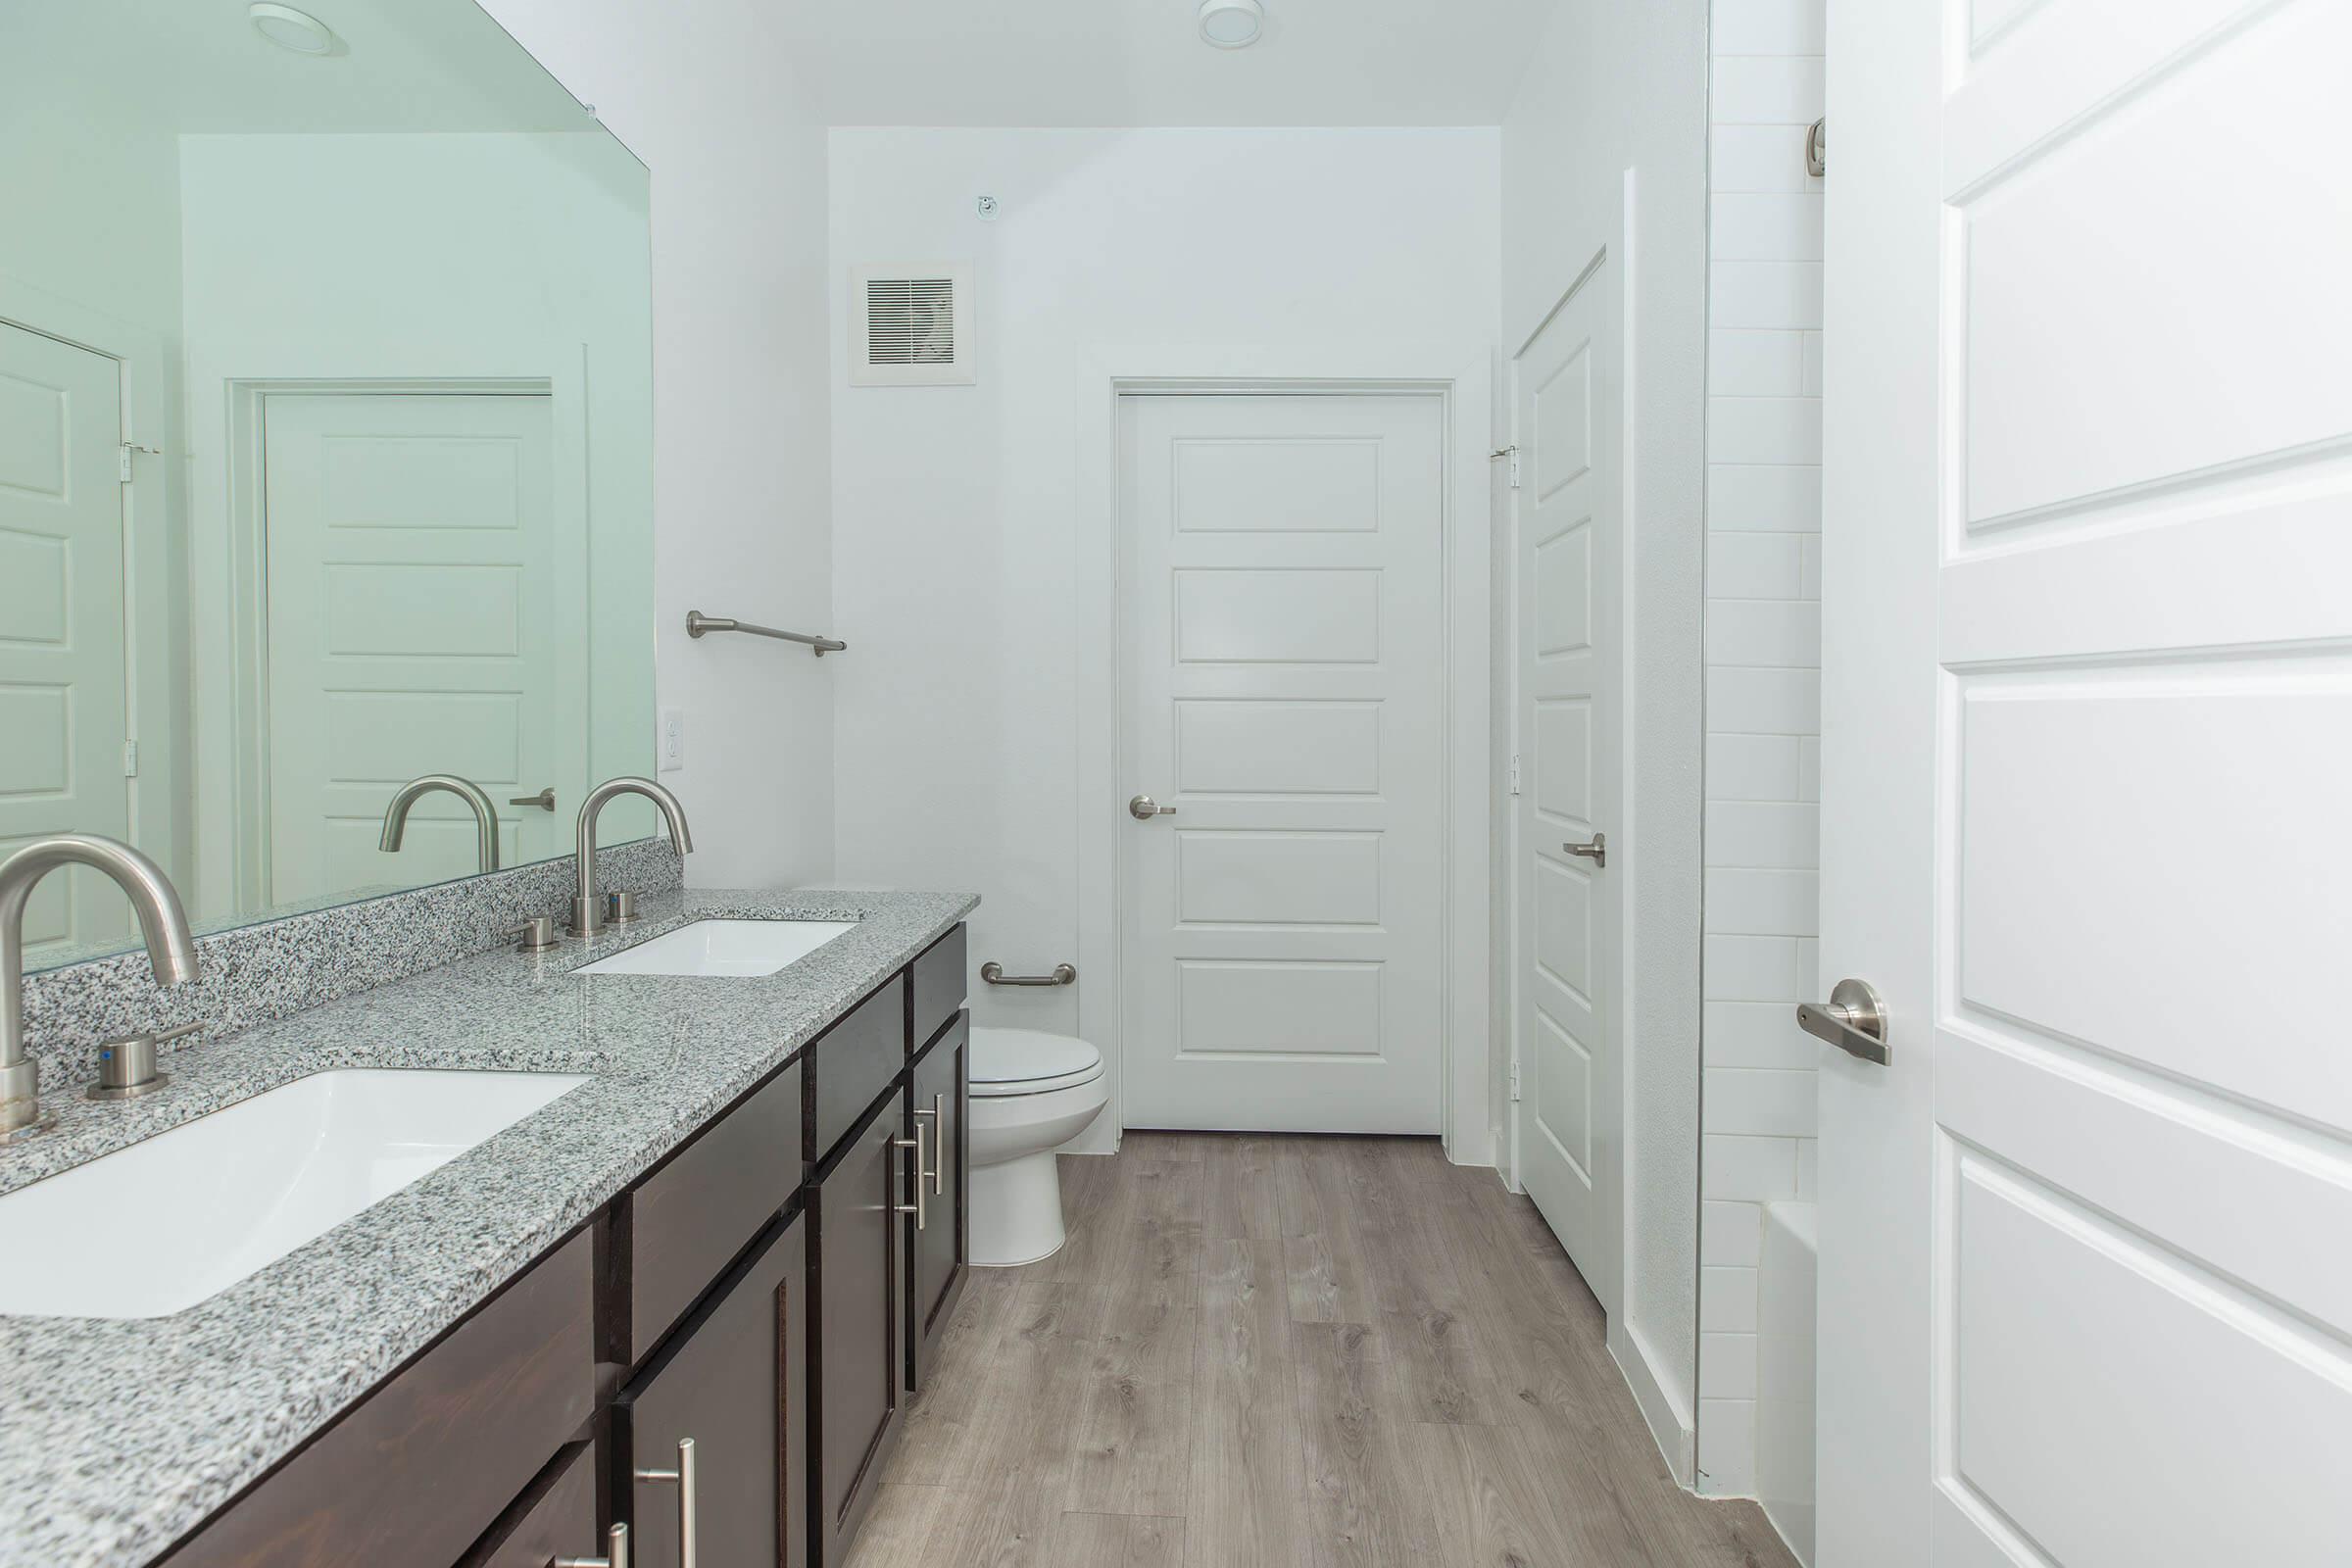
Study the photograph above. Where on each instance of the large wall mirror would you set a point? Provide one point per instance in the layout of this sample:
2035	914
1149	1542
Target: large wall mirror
326	450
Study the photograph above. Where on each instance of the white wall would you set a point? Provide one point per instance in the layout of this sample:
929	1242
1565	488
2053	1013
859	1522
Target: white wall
1613	87
707	95
1763	684
956	508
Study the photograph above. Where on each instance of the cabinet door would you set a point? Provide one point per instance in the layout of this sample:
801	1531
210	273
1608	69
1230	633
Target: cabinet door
734	1380
938	1245
859	1307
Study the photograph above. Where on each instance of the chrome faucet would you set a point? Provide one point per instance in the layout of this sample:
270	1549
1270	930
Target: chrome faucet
171	949
485	816
587	919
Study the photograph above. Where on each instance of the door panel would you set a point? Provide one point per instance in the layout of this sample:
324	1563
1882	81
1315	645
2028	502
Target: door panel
62	657
940	1247
417	615
2088	473
735	1382
1283	576
860	1302
1567	666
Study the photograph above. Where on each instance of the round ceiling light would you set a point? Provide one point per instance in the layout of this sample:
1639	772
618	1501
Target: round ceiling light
1232	24
289	28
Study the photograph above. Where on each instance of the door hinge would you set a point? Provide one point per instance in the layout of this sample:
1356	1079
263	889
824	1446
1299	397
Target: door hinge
130	758
1514	773
1514	1083
124	451
1508	454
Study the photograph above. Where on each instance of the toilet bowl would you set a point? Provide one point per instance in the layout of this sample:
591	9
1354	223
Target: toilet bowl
1032	1092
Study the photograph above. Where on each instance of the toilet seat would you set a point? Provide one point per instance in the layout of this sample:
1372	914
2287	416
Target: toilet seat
1009	1062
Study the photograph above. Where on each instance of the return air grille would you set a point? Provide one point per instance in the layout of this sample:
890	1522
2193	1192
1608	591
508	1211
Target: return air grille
909	328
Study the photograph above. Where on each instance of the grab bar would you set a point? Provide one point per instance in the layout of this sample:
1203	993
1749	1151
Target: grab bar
1063	975
698	623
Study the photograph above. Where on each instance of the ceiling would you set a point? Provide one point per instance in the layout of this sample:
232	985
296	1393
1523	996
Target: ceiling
196	66
1142	63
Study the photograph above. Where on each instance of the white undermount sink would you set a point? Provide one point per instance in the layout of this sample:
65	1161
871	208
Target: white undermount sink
745	948
154	1228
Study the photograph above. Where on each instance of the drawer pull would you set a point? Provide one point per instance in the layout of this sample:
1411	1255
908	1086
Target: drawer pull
939	1143
616	1553
683	1475
917	1207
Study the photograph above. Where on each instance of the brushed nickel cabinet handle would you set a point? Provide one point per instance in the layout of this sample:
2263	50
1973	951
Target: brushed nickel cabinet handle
616	1553
918	1207
683	1475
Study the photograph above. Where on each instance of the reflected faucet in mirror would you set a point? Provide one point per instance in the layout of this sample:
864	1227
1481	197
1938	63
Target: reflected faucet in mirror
587	916
171	949
485	815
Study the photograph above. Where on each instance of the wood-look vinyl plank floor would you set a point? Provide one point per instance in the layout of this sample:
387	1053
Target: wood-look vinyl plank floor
1265	1351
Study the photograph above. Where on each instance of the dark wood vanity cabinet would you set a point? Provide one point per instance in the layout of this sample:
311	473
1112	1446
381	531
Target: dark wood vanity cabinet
857	1285
766	1290
939	1253
734	1380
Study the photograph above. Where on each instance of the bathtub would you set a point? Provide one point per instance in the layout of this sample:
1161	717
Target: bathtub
1784	1374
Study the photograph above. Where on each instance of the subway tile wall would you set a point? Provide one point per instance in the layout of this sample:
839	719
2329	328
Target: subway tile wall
1763	823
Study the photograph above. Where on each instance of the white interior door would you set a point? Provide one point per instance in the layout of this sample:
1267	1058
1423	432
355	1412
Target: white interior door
62	666
2085	1292
417	625
1284	599
1567	912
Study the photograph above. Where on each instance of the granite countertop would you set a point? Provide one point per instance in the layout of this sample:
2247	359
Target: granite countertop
117	1437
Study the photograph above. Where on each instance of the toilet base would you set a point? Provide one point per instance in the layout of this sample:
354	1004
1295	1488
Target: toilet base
1015	1213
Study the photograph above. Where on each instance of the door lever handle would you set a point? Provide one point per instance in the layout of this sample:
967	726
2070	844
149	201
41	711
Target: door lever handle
1598	852
1853	1019
544	800
1144	809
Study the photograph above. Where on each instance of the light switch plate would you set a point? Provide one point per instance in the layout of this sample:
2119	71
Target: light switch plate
673	740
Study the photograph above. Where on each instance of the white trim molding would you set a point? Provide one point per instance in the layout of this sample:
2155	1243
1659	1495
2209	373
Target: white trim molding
1463	376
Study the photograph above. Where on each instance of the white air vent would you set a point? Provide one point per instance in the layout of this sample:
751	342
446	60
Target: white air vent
911	327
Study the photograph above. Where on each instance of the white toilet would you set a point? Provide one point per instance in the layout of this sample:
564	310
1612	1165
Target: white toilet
1032	1092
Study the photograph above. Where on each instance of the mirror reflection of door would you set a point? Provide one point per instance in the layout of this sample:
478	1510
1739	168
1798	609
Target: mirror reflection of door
62	702
421	588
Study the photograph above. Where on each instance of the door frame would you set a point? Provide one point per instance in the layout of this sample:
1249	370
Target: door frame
151	716
230	653
1462	377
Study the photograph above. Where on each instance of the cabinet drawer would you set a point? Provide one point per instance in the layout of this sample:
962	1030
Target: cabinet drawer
689	1219
556	1519
938	982
853	1062
415	1472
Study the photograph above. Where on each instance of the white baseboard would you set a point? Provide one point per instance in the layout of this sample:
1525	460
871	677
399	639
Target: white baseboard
1477	1150
1669	1419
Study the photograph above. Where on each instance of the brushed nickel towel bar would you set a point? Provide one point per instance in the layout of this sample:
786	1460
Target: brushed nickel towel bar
698	623
1063	975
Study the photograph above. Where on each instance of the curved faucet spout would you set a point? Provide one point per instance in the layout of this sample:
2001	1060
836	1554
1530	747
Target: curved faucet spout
586	918
485	815
171	946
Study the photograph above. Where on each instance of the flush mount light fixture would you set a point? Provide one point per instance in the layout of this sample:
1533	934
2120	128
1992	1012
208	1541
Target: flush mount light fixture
1232	24
289	28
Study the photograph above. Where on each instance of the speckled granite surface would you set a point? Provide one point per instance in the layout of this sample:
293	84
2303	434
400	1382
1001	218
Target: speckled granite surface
253	973
116	1438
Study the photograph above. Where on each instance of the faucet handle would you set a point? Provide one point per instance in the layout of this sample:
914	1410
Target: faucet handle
126	1066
